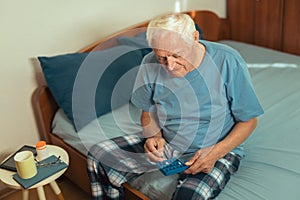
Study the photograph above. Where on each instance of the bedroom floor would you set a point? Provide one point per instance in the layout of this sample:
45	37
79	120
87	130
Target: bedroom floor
69	190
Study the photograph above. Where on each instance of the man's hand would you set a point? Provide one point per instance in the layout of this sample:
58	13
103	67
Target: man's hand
203	161
154	147
155	143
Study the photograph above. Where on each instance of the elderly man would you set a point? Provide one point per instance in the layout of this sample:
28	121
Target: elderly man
196	99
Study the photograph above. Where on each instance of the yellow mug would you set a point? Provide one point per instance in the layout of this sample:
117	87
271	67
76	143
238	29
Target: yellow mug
25	164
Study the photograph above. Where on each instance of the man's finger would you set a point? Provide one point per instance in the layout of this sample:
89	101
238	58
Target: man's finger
193	159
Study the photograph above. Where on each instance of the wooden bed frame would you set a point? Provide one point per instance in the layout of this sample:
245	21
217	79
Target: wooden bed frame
45	106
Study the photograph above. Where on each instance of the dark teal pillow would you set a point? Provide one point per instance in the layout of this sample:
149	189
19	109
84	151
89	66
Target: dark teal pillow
139	41
88	85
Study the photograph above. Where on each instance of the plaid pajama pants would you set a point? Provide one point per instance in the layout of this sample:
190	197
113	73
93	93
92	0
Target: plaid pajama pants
113	162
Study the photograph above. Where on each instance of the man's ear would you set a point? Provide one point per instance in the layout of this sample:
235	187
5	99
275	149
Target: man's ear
196	36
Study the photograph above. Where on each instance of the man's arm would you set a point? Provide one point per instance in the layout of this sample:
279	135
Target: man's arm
240	132
205	159
149	125
154	145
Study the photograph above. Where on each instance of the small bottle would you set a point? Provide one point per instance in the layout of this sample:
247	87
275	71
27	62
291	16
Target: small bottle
41	150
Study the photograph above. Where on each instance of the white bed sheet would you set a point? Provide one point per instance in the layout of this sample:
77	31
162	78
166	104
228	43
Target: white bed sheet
271	169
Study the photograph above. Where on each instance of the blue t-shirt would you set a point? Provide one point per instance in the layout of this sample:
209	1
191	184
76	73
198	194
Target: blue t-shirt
200	109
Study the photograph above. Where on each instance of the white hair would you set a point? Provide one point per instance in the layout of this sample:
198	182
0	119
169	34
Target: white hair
179	23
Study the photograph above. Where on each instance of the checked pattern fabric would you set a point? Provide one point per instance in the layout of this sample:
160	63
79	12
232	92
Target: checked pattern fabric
114	162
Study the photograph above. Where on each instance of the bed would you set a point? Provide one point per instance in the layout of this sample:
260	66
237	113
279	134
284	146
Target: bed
271	169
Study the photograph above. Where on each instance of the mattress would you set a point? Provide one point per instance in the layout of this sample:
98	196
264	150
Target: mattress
271	168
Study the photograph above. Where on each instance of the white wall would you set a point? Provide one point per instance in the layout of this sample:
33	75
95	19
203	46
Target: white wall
36	27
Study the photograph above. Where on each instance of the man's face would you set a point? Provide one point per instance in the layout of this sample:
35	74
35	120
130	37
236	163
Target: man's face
174	54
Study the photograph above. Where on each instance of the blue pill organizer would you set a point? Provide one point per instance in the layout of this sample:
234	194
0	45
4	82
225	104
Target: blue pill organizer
172	166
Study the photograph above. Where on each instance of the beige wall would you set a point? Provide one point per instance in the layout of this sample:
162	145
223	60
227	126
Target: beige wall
37	27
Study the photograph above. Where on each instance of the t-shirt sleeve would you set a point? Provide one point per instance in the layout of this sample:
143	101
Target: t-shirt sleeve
143	89
240	91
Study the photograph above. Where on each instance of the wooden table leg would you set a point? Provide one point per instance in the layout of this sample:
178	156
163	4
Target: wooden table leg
25	194
56	190
41	193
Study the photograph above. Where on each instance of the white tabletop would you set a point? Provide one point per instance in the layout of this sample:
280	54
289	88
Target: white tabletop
6	176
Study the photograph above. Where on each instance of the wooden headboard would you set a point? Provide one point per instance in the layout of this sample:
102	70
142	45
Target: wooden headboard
269	23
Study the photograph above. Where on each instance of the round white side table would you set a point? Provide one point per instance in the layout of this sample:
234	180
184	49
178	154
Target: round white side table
6	177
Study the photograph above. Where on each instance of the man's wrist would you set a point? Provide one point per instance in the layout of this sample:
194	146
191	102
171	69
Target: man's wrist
156	135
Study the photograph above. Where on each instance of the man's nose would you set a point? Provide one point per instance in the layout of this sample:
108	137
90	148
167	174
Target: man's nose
170	63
